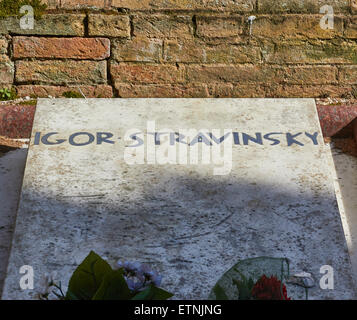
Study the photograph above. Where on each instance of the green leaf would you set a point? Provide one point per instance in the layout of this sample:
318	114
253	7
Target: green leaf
113	287
71	296
147	294
161	294
88	277
153	293
251	284
244	288
219	292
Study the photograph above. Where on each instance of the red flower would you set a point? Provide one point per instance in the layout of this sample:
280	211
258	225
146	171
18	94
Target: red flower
269	289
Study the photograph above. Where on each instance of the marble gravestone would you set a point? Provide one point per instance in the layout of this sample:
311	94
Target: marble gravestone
188	186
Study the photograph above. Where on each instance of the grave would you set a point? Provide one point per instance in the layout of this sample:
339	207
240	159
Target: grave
188	186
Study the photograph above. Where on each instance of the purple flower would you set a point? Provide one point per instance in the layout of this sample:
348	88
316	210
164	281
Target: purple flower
136	266
134	286
138	276
145	269
128	266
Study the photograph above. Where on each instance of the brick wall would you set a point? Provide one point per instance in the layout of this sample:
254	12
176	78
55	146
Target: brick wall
183	48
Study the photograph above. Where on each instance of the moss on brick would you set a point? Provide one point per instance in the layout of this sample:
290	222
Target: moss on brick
72	94
330	51
10	8
29	103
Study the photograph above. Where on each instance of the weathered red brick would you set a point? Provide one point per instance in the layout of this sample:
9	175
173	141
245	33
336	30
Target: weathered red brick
309	74
6	72
146	73
348	74
137	49
232	73
3	50
219	27
295	26
327	52
298	6
310	91
79	4
351	28
237	90
199	52
50	24
163	26
262	74
161	91
109	25
220	90
43	91
70	48
61	72
240	5
234	6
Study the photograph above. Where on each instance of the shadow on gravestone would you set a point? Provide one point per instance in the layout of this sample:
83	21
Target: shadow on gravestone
192	249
